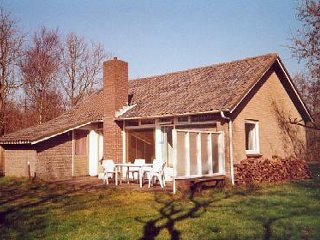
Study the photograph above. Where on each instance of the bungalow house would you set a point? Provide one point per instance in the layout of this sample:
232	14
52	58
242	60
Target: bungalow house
200	121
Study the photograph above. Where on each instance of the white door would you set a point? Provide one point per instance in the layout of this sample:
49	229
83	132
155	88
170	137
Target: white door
93	153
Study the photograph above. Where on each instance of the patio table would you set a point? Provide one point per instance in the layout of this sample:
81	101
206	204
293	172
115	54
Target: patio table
128	165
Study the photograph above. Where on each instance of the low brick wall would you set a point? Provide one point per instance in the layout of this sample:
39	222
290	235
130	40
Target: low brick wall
16	162
55	158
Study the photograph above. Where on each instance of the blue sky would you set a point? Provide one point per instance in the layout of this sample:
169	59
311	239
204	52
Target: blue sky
156	37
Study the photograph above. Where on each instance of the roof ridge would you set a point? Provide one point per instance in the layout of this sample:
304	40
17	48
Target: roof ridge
274	54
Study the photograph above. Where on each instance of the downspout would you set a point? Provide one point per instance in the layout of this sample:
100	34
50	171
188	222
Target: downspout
230	145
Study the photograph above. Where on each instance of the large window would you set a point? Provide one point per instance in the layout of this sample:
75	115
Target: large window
252	137
199	153
140	144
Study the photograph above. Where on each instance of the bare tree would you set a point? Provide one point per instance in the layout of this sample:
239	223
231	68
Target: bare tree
39	68
305	48
306	41
11	40
309	91
81	67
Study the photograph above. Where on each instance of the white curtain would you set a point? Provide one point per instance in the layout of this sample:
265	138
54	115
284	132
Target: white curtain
251	136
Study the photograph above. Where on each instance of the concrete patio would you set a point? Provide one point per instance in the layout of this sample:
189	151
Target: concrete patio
89	182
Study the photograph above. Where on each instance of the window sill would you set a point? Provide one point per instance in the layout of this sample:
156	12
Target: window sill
253	155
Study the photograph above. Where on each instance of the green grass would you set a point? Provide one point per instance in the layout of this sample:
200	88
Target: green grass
271	211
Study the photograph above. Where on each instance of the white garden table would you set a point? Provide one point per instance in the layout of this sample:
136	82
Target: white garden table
121	166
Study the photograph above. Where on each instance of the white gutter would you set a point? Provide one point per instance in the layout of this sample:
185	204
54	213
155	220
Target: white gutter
230	145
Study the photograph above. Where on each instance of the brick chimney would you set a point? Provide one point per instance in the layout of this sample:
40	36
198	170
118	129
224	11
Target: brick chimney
115	90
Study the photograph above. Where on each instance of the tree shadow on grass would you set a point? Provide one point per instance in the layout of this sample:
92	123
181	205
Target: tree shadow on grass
276	214
171	212
287	212
24	206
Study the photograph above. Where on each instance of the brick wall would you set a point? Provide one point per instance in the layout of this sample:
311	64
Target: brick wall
55	158
115	75
16	161
81	165
273	139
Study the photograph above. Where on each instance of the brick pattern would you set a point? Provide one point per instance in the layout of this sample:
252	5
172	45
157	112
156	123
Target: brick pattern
115	80
260	107
55	158
16	162
81	165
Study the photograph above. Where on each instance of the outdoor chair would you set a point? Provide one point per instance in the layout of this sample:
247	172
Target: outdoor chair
135	170
157	171
109	169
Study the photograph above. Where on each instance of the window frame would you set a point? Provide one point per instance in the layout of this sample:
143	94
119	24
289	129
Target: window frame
256	149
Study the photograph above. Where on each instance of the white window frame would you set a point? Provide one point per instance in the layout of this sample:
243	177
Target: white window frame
256	149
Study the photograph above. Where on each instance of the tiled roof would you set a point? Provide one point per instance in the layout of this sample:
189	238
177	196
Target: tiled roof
88	111
211	88
204	89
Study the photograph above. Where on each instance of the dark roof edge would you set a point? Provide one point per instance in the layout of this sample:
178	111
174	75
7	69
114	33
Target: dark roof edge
295	89
14	142
286	73
265	70
46	137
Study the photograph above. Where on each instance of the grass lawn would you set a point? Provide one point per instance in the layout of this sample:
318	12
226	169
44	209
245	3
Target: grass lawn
52	211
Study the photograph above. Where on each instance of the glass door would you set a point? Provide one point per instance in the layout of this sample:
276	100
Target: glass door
167	145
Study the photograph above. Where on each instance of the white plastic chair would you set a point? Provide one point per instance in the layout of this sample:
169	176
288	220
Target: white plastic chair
109	168
157	171
136	170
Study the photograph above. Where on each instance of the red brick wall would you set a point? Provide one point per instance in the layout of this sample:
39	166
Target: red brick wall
115	80
55	158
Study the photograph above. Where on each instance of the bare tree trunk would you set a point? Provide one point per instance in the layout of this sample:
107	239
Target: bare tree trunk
81	67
